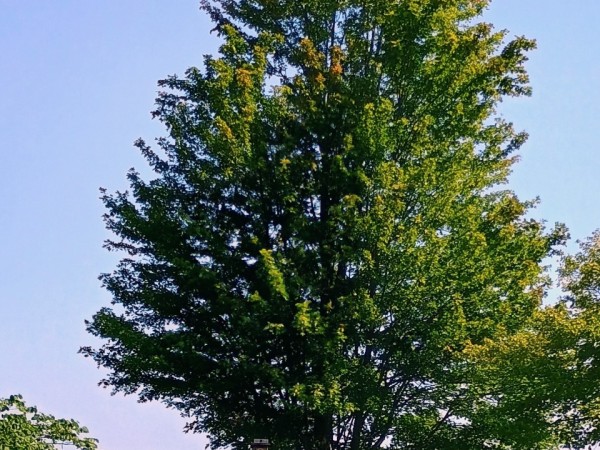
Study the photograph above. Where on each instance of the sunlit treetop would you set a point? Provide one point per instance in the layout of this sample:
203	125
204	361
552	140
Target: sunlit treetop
24	427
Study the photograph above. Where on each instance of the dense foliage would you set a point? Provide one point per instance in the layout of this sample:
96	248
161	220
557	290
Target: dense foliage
326	256
24	427
542	383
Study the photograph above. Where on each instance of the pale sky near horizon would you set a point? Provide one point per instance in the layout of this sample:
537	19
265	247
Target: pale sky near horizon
77	83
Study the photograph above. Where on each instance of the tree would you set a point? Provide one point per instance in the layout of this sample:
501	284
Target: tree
326	239
24	427
548	372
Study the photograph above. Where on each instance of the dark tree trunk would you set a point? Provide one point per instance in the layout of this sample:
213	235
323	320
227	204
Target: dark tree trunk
323	433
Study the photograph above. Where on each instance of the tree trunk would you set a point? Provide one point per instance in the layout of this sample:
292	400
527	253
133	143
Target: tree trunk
356	431
323	433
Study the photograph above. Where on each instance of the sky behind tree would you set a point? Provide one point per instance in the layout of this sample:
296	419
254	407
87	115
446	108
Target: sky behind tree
78	83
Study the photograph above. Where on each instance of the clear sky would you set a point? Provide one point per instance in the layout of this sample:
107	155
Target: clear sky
78	80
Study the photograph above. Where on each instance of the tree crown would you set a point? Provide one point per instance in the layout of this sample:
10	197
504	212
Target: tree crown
326	234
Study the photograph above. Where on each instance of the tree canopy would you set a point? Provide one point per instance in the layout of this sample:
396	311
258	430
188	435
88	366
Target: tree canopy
327	255
24	427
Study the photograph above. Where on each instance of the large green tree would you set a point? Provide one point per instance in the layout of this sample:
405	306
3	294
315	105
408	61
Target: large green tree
326	251
23	427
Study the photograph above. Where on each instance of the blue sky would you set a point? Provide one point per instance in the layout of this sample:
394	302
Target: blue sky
77	83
